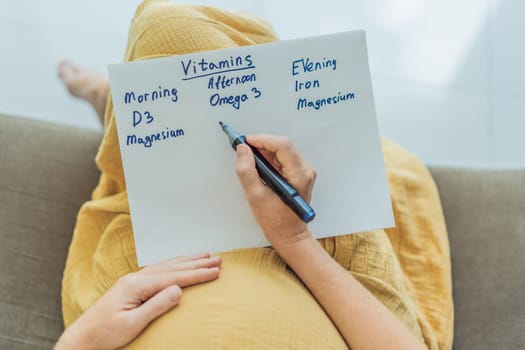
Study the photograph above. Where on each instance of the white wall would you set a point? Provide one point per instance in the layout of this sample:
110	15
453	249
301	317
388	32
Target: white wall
447	74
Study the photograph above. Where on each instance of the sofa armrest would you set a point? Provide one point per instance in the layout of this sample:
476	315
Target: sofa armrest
485	214
48	171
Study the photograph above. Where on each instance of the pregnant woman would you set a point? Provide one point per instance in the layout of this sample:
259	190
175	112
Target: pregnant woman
384	289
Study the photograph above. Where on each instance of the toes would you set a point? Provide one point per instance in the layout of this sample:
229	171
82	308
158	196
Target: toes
67	69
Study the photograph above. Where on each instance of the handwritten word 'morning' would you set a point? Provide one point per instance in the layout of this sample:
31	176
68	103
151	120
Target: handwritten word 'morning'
148	140
317	104
153	95
307	65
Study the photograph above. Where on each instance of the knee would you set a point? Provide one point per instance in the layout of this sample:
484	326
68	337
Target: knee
158	29
162	28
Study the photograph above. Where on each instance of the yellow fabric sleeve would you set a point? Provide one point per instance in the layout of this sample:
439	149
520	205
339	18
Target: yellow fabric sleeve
258	303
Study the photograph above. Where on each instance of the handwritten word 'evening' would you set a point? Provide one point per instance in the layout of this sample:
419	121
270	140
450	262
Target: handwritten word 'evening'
307	65
148	140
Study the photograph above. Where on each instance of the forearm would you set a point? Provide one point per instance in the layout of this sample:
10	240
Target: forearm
73	338
363	321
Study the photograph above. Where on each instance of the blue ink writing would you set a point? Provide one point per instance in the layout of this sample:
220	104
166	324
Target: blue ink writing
307	85
199	68
148	140
154	95
137	117
233	100
257	93
218	72
221	81
331	100
307	65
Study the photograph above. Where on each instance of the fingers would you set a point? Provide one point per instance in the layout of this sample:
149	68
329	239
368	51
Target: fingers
143	296
270	156
179	271
193	257
248	176
270	142
214	261
151	284
282	148
156	306
145	286
188	278
183	263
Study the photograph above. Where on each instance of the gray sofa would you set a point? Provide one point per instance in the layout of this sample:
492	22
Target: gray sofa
48	171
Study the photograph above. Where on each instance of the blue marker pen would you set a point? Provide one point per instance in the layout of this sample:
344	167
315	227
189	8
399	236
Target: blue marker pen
272	178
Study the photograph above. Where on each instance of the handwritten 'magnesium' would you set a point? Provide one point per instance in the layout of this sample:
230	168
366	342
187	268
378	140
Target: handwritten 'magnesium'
145	117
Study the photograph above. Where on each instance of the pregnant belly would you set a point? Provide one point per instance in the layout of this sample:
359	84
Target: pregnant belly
257	303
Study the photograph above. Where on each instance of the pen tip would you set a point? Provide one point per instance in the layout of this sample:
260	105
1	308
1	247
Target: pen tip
221	123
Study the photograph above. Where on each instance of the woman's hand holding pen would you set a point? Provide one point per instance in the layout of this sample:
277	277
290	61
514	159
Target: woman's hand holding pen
140	297
135	300
363	321
279	223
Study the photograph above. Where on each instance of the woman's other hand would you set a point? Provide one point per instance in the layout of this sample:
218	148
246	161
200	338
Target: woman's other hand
278	222
136	300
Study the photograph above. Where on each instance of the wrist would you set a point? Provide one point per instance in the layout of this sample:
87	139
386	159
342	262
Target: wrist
291	243
74	338
66	341
298	249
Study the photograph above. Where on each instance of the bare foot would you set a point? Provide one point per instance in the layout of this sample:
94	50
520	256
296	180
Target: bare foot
90	86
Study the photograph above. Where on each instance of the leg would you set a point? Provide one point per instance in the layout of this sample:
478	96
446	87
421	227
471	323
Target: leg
87	85
103	248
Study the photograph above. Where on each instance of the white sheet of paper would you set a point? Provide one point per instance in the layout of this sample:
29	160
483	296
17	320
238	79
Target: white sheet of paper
183	191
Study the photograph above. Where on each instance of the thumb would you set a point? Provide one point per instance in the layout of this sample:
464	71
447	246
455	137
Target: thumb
246	171
157	305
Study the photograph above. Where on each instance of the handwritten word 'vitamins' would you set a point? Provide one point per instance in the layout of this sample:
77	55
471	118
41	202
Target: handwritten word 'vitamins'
199	68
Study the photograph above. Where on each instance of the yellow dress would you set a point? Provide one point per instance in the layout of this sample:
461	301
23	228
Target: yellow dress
258	303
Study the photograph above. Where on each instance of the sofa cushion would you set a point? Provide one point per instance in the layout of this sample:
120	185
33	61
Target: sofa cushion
47	172
485	214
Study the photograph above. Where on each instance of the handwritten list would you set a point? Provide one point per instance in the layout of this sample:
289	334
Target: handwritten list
183	192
